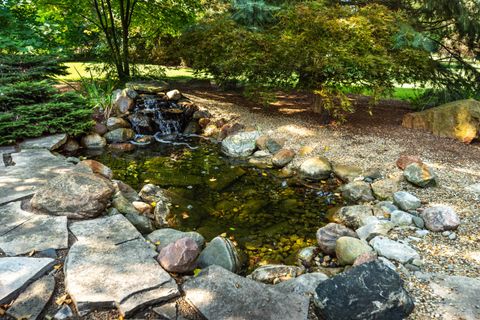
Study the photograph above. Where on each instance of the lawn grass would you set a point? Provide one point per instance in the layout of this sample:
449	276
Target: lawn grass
78	70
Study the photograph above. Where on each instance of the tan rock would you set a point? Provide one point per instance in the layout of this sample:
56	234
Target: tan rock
458	119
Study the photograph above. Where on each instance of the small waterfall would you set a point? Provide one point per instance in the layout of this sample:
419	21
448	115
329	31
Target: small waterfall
166	127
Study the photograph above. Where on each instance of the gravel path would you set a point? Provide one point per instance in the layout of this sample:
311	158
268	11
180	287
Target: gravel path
376	142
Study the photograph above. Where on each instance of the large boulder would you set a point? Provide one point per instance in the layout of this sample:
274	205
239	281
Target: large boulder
384	189
165	236
393	250
368	291
220	294
458	119
316	168
179	256
440	218
406	201
220	252
420	175
93	141
348	249
241	144
75	195
357	191
327	236
120	135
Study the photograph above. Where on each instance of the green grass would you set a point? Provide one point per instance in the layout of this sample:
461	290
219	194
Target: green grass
79	70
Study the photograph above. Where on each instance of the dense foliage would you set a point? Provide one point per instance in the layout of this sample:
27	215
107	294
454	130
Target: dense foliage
313	46
29	104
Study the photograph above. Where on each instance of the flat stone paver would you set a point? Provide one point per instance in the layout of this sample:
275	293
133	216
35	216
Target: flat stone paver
21	231
111	265
52	142
32	169
30	303
16	273
220	294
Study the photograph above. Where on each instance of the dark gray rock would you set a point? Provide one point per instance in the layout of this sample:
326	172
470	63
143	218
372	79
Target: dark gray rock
220	252
357	191
30	303
220	294
119	135
368	291
142	223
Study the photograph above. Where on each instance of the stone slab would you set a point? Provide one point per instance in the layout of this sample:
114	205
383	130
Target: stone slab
21	231
114	229
220	294
16	273
32	169
112	265
51	143
30	304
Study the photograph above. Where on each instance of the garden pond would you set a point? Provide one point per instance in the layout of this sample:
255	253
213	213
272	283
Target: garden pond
269	215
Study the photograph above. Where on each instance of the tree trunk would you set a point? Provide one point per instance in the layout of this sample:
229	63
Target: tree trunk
317	106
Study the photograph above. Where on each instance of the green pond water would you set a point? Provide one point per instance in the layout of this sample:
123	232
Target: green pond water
270	217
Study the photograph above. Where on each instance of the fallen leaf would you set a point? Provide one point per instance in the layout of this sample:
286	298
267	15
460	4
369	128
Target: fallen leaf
223	234
58	266
196	272
157	243
31	253
60	300
212	179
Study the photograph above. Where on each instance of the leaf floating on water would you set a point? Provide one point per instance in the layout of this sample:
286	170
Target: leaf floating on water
63	299
223	235
232	228
185	215
196	272
212	180
264	174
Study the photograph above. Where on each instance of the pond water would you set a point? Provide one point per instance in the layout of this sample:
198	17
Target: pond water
270	217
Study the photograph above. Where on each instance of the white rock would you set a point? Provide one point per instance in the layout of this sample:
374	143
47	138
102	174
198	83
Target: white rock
401	218
393	250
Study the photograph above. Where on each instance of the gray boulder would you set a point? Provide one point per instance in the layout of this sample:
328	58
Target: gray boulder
93	141
241	144
393	250
406	201
368	291
120	135
384	189
234	297
420	175
357	191
142	223
401	218
75	195
440	218
371	230
346	173
220	252
114	123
